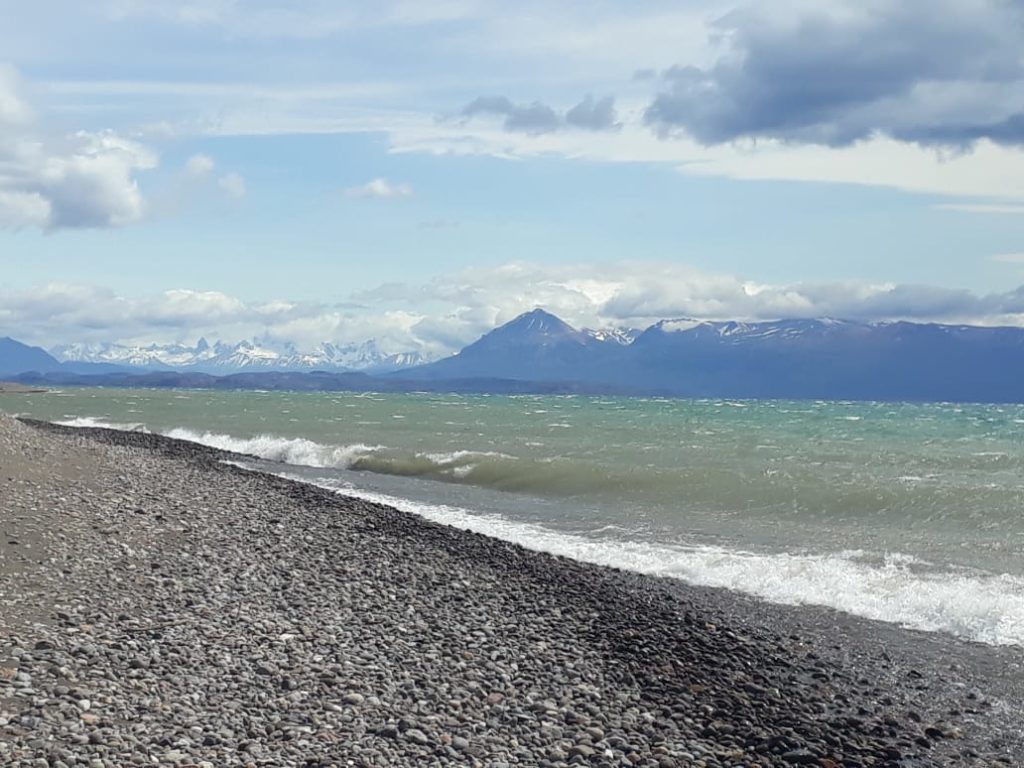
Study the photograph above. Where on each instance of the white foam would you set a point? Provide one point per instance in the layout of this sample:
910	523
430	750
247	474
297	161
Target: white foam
91	421
987	608
284	449
452	457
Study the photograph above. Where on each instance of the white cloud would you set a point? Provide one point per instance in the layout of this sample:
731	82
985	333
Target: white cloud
233	185
186	306
60	311
87	179
1009	258
199	165
470	302
381	189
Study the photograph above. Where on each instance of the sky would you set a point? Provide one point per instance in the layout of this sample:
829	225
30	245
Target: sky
418	172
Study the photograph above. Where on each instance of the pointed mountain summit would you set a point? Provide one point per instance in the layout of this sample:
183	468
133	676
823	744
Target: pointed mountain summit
530	328
536	346
536	321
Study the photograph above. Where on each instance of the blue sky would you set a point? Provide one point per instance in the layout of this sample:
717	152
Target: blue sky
417	172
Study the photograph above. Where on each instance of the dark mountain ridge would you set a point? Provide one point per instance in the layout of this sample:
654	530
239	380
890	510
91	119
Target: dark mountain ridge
816	359
16	358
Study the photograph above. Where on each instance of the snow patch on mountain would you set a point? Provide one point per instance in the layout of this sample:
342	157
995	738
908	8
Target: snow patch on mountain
623	336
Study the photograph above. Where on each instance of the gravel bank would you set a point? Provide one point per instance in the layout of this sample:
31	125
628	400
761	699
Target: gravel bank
185	612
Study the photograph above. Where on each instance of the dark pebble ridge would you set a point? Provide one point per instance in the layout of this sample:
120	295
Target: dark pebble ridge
213	616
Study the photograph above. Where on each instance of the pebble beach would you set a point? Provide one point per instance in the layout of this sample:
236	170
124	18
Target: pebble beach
160	605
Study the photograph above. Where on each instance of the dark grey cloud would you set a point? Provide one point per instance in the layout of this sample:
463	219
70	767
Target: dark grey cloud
940	72
528	118
537	117
593	115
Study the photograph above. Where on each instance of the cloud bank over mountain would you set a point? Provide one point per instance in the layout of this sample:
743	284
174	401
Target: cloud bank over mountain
440	316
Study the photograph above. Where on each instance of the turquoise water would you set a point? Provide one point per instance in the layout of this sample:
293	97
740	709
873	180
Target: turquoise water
905	512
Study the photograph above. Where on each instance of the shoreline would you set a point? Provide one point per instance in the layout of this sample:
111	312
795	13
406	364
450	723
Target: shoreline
12	388
568	662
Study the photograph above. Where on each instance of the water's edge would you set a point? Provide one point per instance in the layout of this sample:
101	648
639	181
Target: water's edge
899	589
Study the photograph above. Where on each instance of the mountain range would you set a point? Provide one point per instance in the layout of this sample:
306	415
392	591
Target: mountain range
537	351
814	358
221	359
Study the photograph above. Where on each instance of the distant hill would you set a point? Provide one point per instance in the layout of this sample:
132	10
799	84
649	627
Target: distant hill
16	357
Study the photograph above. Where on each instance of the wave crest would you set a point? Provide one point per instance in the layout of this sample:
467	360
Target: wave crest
283	449
485	469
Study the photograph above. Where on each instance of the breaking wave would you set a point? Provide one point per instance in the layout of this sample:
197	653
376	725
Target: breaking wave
285	450
484	469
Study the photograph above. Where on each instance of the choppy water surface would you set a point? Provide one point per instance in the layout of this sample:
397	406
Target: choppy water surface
903	512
